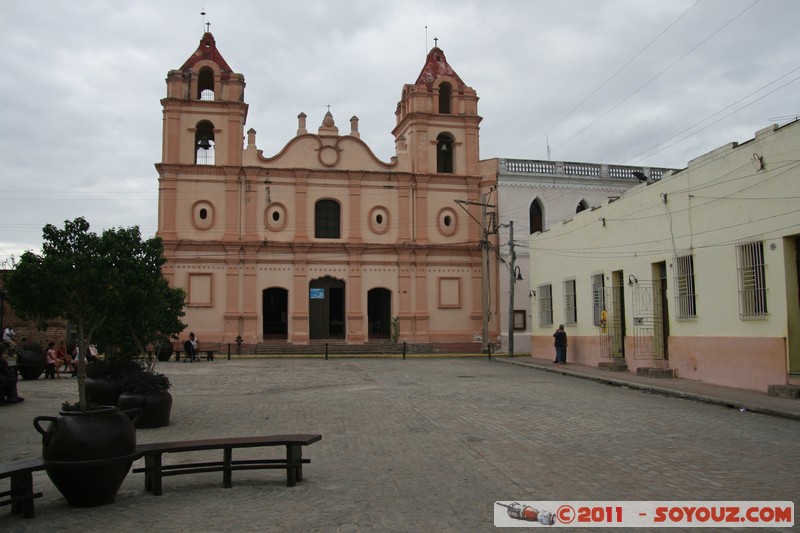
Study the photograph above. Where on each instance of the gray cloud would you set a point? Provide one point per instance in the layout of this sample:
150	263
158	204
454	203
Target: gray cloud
82	83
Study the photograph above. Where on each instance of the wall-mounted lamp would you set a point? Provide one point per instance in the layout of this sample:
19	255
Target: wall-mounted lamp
632	279
518	272
532	294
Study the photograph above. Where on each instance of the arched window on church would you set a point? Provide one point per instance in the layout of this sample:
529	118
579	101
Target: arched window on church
444	154
445	91
205	84
582	206
327	219
536	215
204	143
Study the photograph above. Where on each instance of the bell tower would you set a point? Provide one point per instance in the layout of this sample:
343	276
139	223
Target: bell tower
204	111
437	121
204	115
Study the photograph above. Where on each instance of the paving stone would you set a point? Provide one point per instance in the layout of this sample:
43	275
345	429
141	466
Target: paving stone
415	445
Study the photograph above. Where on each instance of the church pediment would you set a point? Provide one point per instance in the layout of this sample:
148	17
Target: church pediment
325	152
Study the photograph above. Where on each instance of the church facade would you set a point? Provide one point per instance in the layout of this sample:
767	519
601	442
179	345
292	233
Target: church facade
323	240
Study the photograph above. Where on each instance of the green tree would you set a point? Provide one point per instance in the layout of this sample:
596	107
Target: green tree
100	283
148	309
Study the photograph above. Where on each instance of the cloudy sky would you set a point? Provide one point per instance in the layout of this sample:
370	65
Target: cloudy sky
639	82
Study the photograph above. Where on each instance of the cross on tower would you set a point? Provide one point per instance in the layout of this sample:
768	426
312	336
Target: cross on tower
436	42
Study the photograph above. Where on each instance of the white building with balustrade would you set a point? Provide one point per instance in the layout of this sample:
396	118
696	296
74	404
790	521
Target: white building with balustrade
535	194
694	275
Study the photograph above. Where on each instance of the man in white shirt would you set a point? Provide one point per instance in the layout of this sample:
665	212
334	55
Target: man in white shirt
8	337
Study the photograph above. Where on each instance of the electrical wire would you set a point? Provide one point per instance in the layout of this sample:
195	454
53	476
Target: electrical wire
651	80
614	75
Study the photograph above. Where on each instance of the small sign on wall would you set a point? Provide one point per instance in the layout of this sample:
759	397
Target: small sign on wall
316	294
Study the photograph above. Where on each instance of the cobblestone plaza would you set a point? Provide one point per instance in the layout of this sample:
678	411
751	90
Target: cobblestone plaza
418	445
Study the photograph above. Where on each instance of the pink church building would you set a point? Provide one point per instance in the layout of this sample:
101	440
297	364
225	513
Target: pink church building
323	240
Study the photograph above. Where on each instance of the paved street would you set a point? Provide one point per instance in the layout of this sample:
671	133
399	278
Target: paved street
418	445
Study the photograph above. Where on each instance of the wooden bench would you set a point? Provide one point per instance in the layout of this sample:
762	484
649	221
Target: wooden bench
21	495
154	470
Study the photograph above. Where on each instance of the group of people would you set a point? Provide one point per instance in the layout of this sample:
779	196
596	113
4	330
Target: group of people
58	358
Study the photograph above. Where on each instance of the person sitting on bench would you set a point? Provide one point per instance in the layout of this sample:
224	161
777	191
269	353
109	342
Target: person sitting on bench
63	359
190	347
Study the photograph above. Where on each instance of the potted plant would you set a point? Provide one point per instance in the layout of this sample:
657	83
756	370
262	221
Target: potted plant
163	350
109	284
148	391
104	378
31	361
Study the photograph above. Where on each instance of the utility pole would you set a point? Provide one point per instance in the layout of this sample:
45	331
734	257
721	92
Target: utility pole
484	277
484	264
512	276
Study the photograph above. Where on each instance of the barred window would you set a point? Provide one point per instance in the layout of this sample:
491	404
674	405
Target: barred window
570	305
598	298
327	220
752	281
685	303
545	297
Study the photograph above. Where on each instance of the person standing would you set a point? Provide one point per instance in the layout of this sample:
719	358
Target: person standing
8	381
561	345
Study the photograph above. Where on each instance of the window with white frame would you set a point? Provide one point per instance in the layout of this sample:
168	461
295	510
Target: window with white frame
598	298
545	297
685	302
570	305
752	282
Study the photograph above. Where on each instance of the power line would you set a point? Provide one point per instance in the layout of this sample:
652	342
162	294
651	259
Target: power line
614	75
651	80
637	156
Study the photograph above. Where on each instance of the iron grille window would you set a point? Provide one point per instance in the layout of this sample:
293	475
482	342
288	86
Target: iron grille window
752	281
545	293
598	298
685	303
570	305
326	220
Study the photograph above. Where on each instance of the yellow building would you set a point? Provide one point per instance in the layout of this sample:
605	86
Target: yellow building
695	274
323	240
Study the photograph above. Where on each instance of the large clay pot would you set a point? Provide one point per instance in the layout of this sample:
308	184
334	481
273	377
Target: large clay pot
87	454
165	352
31	362
102	391
156	408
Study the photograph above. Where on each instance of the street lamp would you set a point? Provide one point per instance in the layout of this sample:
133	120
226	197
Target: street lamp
515	274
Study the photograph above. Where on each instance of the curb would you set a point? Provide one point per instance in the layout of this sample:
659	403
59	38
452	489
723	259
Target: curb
661	390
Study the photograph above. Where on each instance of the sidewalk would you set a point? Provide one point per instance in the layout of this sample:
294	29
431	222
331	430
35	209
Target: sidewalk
754	401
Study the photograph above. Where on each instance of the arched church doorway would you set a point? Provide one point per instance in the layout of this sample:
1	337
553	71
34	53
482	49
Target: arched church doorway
326	308
379	313
276	310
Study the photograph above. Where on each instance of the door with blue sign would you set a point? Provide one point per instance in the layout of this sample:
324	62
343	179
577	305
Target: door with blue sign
326	308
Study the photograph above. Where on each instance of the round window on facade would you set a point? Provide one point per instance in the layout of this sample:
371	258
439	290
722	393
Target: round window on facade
203	215
275	217
379	219
447	222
